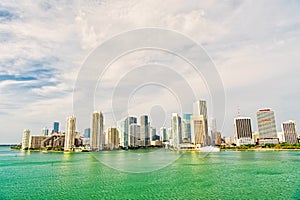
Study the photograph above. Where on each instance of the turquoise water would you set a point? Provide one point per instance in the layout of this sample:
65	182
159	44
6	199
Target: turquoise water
224	175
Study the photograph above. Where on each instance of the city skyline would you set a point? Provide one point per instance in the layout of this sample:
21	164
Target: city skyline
256	58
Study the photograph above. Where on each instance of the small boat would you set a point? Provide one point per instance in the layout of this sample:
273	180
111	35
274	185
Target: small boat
209	149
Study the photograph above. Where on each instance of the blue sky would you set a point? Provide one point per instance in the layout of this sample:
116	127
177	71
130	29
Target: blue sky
43	44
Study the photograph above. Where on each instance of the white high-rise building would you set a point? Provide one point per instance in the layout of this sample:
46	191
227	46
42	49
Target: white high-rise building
267	127
70	133
134	134
124	127
176	130
199	125
25	139
163	134
96	138
199	108
243	131
290	132
266	123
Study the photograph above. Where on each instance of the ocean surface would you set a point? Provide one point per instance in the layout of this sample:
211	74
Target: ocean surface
144	174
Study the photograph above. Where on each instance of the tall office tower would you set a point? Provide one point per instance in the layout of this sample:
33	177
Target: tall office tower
266	123
45	131
199	125
152	133
56	127
163	134
124	127
113	138
199	108
134	134
96	132
290	132
243	131
218	138
25	139
87	133
186	127
199	131
213	130
145	139
169	136
70	133
176	130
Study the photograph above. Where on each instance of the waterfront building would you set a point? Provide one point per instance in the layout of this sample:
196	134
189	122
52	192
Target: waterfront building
176	130
152	133
144	133
213	130
163	134
218	138
186	127
113	138
45	131
290	132
255	137
25	139
96	132
199	131
36	141
55	127
169	136
243	131
266	126
87	133
134	135
70	133
124	126
199	125
228	140
156	143
280	136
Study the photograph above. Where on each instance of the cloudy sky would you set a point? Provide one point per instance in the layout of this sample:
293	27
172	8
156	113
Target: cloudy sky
44	44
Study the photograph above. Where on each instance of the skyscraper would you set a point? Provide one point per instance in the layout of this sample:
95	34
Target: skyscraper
176	130
134	134
163	134
124	127
290	132
199	131
70	133
266	123
152	133
87	133
186	127
45	131
213	130
25	139
97	131
199	108
199	125
113	138
56	127
243	131
144	132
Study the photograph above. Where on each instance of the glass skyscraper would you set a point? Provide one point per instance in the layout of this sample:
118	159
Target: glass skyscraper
56	127
186	127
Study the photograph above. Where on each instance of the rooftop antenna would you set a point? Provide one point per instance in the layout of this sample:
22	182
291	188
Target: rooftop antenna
239	111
